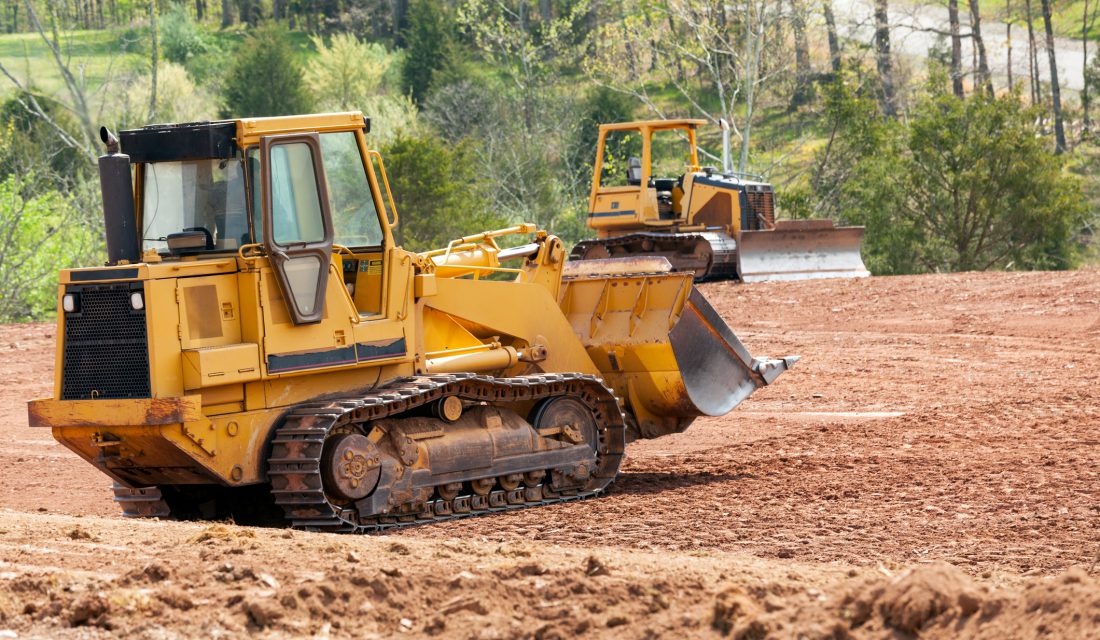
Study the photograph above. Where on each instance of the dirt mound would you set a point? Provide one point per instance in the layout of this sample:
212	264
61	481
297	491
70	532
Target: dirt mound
935	601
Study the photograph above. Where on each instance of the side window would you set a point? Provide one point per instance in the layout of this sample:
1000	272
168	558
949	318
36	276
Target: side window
670	153
622	156
355	219
295	197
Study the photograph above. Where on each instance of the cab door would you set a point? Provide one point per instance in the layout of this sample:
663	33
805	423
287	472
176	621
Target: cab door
297	222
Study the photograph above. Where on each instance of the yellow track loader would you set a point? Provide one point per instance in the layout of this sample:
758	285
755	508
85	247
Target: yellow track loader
650	197
258	343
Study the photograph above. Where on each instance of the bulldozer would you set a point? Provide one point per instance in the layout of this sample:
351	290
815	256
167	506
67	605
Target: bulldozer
257	343
718	225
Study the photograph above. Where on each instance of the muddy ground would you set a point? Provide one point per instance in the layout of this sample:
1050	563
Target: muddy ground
930	467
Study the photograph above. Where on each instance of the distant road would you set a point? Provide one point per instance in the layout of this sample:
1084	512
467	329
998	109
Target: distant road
910	35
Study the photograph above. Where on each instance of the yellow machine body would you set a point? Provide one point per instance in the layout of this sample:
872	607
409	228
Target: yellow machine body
177	369
714	225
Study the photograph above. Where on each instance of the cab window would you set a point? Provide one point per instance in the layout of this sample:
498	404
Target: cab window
355	217
622	159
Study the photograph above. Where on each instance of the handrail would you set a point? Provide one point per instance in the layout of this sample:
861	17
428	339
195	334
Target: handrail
386	183
458	267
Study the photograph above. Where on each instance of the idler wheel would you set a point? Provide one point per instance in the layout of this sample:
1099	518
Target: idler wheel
350	466
569	415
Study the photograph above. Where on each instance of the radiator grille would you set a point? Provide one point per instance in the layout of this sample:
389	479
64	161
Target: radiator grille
106	353
762	201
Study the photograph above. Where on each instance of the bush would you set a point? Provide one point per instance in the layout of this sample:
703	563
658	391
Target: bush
346	72
437	191
178	99
962	185
180	38
43	233
265	78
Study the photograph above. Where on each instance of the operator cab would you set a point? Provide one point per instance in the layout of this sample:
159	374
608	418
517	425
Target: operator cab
640	170
308	199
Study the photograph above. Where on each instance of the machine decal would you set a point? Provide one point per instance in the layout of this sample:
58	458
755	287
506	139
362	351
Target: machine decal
378	349
297	361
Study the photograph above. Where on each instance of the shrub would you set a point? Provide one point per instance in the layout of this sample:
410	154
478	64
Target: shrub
265	78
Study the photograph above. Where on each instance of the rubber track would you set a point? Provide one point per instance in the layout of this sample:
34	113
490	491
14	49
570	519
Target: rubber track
723	265
299	441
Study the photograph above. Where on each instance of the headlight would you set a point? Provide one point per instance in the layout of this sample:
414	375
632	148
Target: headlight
68	303
137	301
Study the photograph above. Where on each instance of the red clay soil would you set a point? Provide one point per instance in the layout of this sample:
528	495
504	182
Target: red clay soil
930	468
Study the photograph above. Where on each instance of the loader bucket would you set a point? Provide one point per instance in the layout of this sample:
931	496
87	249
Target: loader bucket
801	250
661	347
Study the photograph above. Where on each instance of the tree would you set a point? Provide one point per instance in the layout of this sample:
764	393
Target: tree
984	76
438	191
834	40
883	60
1055	89
984	190
710	53
428	47
265	78
956	48
346	72
960	185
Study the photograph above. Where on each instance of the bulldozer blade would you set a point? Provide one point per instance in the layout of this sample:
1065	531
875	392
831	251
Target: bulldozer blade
717	371
801	250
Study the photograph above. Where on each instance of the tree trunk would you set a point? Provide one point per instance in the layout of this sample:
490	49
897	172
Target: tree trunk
400	20
200	10
1008	37
545	10
276	10
882	58
834	41
1032	57
956	48
1055	91
227	13
1085	122
803	73
153	55
983	62
752	49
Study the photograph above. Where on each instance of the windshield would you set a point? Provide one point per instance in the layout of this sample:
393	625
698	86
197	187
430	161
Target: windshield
205	195
355	219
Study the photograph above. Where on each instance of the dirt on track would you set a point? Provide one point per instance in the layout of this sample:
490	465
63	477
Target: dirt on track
931	466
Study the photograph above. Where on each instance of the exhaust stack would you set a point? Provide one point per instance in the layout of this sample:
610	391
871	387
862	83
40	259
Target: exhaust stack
119	217
727	161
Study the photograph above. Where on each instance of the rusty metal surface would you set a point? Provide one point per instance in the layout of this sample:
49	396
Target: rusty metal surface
110	413
801	250
413	493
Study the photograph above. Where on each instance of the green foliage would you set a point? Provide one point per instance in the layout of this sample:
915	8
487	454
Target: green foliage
265	78
964	185
346	72
31	145
429	47
601	105
180	38
39	233
438	192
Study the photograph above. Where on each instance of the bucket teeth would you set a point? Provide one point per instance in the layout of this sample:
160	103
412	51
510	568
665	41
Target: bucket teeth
770	368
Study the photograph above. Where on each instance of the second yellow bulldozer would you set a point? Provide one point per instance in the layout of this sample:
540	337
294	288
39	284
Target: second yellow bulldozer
651	197
259	341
